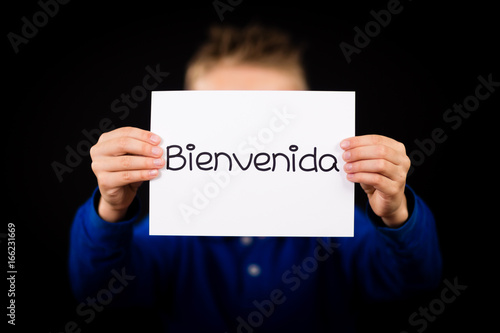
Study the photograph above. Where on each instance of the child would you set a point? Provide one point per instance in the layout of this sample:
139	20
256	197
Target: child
248	284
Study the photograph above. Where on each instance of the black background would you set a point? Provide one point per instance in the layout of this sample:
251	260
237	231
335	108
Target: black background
428	58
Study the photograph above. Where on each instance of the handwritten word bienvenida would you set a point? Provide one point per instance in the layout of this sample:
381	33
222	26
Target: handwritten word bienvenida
206	161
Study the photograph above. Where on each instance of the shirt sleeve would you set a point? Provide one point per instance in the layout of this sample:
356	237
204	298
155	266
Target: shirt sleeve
103	257
393	263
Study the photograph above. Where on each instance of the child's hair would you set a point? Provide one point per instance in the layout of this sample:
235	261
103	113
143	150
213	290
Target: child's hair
253	44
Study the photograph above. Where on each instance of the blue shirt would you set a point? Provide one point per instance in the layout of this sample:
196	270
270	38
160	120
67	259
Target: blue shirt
232	284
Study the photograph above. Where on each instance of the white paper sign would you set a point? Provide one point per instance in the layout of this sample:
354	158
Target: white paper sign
252	163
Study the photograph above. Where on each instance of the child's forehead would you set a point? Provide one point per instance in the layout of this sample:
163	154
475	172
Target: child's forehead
244	76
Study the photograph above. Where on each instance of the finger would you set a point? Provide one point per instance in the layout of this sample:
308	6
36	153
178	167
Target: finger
371	140
381	166
371	153
131	132
127	162
122	178
376	180
124	145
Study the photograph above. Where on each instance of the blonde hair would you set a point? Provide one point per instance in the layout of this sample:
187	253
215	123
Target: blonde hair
253	44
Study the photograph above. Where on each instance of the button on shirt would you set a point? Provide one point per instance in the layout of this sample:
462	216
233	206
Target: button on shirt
253	270
246	241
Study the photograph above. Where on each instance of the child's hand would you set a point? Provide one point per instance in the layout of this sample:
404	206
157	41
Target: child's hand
380	165
121	160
